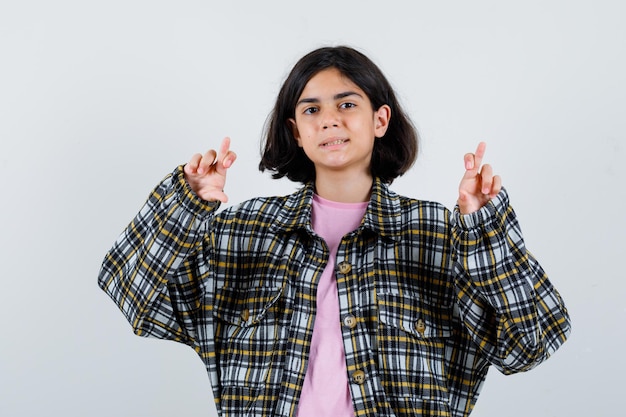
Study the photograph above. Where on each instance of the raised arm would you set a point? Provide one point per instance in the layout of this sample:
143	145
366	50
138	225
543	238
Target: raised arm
155	270
509	306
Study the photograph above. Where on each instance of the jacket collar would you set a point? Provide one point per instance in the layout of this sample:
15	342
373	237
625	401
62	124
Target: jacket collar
382	216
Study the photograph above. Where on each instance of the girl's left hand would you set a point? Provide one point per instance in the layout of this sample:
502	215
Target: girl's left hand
478	185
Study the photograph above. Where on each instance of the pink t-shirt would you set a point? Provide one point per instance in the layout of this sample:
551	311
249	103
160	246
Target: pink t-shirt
326	388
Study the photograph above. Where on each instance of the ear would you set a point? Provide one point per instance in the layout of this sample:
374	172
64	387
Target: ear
294	130
381	120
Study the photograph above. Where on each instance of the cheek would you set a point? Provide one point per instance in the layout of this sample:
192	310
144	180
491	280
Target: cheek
307	135
361	123
307	142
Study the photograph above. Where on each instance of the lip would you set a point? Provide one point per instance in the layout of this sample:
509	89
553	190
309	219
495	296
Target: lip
333	142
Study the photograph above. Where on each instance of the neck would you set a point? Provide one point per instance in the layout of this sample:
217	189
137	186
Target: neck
344	188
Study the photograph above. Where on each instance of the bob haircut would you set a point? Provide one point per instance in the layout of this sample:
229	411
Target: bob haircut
393	154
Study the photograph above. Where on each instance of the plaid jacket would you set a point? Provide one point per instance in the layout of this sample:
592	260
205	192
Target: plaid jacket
429	298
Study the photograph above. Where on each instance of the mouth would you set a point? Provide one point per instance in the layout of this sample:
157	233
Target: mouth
333	142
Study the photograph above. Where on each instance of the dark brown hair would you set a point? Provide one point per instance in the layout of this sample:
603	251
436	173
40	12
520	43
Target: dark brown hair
393	154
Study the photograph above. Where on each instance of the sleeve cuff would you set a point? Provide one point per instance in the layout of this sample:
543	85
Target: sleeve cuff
188	198
487	215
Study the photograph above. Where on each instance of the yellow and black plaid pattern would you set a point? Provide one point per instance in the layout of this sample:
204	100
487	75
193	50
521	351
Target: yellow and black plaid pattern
429	299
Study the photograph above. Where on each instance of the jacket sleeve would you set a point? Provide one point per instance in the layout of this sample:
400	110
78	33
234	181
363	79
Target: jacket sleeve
155	269
511	310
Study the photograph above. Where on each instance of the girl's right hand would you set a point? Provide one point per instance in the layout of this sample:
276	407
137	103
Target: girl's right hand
206	174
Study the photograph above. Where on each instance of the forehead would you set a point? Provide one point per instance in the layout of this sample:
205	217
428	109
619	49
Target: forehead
329	82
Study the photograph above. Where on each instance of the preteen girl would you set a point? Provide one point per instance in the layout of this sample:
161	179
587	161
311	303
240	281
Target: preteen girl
344	298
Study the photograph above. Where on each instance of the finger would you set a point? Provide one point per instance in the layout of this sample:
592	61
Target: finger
229	159
486	179
224	147
479	154
222	197
468	159
207	160
226	157
192	166
473	160
216	195
496	187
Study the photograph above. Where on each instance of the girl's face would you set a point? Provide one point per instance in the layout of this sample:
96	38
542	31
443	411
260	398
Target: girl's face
335	124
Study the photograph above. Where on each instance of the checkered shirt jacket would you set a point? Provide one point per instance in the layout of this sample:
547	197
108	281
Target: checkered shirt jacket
429	298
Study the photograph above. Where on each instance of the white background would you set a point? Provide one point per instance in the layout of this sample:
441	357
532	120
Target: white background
100	99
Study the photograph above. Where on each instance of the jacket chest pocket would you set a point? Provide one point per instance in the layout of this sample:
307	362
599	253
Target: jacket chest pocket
246	333
412	334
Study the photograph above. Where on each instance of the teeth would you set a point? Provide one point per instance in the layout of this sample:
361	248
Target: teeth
335	142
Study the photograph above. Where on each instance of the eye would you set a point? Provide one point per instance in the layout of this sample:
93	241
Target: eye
347	105
310	110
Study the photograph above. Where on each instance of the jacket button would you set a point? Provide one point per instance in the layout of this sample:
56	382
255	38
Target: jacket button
245	315
345	267
349	321
358	377
420	326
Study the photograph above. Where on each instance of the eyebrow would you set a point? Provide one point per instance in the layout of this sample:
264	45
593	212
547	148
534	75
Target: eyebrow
337	96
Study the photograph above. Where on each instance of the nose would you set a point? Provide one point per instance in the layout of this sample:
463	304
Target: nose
330	118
